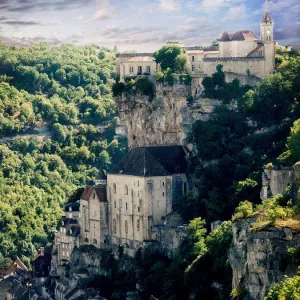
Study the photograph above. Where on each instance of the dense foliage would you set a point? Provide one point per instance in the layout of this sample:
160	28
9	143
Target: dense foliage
172	57
234	144
64	93
288	289
200	266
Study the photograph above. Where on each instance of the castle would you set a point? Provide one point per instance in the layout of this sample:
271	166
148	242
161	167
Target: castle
239	53
135	207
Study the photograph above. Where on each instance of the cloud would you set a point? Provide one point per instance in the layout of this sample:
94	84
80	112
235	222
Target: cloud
298	23
41	5
29	22
102	14
168	5
235	12
28	41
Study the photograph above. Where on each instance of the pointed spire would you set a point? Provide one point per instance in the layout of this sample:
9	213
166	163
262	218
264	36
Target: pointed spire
266	6
266	17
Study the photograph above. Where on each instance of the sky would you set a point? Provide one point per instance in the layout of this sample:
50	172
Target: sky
141	25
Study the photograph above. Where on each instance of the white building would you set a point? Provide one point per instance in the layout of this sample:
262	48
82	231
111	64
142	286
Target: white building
240	53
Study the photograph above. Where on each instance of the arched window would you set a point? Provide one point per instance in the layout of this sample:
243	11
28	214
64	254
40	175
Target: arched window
86	240
114	226
126	190
138	225
114	188
126	227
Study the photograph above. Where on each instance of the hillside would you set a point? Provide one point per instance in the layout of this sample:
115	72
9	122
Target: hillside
65	93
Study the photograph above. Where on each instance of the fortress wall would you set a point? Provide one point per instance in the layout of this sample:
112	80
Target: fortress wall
244	79
235	65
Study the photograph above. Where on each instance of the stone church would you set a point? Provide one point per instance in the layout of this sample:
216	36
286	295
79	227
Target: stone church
240	53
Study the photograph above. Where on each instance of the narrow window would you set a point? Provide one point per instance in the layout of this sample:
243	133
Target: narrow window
138	183
138	225
126	206
126	227
131	69
138	209
115	202
193	68
140	70
114	226
148	69
115	188
163	194
126	190
193	58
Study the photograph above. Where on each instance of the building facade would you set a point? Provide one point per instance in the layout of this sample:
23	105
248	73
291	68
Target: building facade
241	53
84	222
142	191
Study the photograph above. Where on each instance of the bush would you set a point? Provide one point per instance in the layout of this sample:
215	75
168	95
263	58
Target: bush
118	88
244	210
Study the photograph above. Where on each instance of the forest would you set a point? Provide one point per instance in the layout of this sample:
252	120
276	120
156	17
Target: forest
66	92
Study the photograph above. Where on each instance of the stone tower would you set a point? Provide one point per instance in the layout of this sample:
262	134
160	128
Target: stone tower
267	37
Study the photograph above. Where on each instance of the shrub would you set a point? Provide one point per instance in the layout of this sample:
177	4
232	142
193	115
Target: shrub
118	88
244	210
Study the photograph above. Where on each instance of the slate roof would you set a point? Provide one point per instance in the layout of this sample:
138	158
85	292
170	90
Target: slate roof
153	161
241	35
75	231
100	191
266	17
75	206
254	52
226	37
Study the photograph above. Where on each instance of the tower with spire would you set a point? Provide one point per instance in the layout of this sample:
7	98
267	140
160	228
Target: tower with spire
267	37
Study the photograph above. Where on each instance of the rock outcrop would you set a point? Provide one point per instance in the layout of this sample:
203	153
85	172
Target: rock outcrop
276	180
164	120
259	259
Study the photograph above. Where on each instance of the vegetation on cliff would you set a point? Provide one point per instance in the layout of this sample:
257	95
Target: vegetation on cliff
234	144
65	93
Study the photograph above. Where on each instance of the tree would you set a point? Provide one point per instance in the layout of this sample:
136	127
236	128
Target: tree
173	57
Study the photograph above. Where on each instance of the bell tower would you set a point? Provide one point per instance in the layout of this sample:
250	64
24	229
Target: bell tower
267	37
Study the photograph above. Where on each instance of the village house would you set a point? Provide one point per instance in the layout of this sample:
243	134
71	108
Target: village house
84	222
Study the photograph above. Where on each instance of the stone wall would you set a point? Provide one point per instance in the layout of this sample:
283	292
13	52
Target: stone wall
238	65
169	238
244	79
259	259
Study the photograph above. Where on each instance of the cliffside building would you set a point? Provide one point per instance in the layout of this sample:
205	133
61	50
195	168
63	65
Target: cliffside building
142	191
84	222
240	53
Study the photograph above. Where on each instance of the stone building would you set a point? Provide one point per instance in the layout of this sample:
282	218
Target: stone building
84	222
142	190
240	53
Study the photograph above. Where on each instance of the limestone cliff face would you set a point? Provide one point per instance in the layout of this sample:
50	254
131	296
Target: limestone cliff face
259	259
166	119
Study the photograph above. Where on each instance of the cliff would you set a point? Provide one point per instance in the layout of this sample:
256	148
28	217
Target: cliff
164	120
259	259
